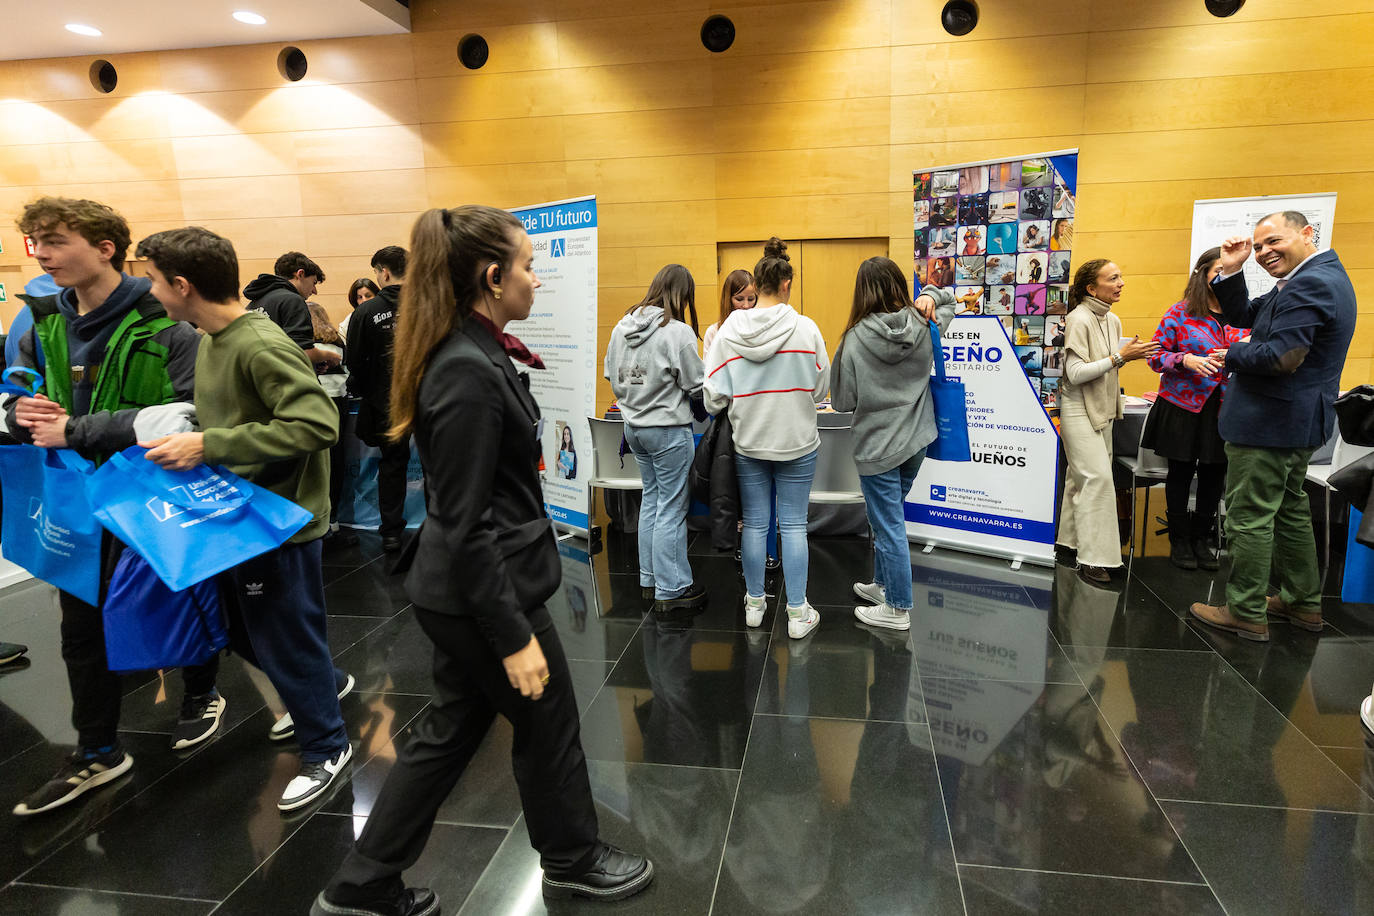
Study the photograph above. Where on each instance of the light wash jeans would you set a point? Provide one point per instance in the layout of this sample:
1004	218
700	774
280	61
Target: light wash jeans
664	454
885	495
757	480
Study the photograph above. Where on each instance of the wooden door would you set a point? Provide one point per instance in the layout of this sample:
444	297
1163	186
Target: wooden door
831	265
736	255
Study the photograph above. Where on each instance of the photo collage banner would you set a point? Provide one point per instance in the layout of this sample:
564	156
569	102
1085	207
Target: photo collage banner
999	235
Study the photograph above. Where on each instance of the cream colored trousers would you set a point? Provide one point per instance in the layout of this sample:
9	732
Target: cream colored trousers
1087	518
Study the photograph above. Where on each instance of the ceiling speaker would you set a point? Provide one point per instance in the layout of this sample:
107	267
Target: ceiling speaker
717	34
104	78
473	51
959	16
1223	8
291	63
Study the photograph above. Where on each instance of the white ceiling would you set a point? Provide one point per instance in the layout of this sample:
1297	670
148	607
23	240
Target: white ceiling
159	25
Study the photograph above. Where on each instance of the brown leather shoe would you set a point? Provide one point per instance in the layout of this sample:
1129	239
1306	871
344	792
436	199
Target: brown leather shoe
1094	575
1220	616
1283	612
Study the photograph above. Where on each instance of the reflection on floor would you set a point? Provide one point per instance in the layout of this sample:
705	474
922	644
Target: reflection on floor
1033	745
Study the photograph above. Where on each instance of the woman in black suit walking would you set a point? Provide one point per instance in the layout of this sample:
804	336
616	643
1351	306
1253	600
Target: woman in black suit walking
483	565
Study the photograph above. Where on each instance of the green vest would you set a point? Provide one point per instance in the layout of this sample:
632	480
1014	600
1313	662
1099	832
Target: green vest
134	371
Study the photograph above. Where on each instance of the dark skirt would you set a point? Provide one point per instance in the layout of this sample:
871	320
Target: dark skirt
1181	435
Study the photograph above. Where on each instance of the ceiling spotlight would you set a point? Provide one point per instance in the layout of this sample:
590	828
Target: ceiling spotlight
89	31
248	18
1223	8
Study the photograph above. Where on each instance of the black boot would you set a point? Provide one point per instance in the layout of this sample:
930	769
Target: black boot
1202	541
1181	542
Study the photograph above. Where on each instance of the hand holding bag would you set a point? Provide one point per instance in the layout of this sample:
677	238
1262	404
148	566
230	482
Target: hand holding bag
149	626
48	526
951	410
189	525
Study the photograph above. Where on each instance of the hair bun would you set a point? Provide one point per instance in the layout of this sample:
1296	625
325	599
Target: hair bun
775	248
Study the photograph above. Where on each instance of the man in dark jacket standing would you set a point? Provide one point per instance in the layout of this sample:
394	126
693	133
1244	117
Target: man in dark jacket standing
371	330
1278	410
281	296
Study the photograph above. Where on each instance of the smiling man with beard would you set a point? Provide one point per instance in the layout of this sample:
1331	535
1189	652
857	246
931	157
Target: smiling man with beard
1278	409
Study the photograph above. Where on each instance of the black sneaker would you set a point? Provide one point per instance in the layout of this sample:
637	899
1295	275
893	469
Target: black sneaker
78	775
693	598
411	901
772	564
11	652
391	543
613	875
199	719
314	780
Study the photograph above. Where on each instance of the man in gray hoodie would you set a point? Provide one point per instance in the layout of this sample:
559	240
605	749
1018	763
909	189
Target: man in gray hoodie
889	348
654	371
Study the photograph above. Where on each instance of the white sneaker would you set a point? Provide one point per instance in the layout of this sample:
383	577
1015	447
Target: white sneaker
285	727
314	780
801	620
1367	714
881	615
753	610
871	592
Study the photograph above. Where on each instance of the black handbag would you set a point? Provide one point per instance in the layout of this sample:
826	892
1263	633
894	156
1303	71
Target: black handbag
1355	415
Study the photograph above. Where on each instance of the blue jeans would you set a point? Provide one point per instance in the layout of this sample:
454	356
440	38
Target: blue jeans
757	479
664	454
884	495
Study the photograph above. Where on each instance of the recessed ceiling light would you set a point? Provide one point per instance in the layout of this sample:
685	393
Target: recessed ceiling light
87	30
248	18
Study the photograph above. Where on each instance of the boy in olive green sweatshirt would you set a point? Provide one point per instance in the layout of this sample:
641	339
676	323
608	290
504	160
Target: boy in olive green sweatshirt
264	416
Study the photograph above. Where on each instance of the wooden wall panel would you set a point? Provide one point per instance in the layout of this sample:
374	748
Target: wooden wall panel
809	127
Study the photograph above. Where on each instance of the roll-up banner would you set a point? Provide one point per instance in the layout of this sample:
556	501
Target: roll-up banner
999	235
561	329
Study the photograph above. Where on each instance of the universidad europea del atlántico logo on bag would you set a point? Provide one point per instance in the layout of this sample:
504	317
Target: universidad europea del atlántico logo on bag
213	487
52	538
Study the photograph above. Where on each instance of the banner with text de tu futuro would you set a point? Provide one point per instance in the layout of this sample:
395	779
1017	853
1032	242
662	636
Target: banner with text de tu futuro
1002	502
561	329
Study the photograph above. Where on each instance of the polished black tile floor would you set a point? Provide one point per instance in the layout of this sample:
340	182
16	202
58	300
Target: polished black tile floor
1033	745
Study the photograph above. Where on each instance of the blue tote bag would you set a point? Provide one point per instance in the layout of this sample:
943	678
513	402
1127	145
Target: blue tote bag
48	526
149	626
189	525
951	410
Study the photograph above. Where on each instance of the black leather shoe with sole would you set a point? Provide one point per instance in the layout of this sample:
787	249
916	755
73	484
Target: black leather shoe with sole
614	875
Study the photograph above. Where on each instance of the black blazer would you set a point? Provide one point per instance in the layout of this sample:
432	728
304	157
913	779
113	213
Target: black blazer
1269	401
487	548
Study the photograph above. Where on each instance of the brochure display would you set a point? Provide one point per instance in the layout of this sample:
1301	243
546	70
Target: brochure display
999	235
1214	221
561	330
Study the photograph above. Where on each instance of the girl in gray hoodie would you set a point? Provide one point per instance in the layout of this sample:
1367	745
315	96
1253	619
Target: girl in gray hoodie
654	370
887	344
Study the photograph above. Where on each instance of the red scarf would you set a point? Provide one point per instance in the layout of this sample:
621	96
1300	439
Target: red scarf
509	342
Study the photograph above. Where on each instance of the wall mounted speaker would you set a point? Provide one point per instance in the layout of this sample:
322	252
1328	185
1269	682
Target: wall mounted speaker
291	63
104	77
473	51
1223	8
959	17
717	34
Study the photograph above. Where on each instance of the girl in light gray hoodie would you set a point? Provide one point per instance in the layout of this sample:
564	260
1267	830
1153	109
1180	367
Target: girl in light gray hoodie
888	345
654	370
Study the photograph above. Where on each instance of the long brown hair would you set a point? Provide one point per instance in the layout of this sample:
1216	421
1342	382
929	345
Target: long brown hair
879	286
774	268
1198	292
736	282
1085	276
323	327
450	250
674	291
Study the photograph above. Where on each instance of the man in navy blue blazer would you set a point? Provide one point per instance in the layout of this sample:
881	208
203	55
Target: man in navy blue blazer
1278	408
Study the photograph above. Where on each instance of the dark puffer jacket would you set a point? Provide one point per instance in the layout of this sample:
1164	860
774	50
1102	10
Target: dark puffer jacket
712	481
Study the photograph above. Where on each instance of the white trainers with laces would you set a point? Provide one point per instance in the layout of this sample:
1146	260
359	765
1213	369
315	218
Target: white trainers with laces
753	610
871	592
314	780
801	620
881	615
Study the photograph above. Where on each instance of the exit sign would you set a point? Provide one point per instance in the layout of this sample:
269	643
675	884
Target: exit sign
30	248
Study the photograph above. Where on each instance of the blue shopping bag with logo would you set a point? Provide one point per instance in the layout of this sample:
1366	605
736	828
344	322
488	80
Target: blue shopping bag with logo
951	410
189	525
149	626
48	526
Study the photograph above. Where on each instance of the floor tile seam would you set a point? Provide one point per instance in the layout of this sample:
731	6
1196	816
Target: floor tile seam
287	836
510	832
499	828
1077	682
654	763
739	783
1362	746
944	803
1086	874
782	715
19	752
1309	810
101	890
605	679
1232	668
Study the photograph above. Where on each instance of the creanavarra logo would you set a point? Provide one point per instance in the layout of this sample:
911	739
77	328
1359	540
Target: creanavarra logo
937	493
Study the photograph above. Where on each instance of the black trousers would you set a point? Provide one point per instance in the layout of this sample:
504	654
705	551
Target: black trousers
470	688
1211	482
97	691
391	487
